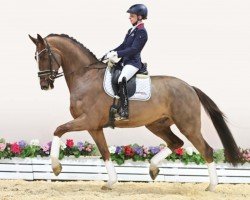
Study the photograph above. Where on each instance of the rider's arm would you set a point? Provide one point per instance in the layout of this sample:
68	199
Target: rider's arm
119	47
139	42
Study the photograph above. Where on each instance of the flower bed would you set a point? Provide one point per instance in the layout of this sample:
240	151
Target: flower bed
119	154
93	168
20	160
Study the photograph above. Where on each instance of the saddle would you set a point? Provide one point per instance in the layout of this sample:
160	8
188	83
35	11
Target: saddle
131	83
115	72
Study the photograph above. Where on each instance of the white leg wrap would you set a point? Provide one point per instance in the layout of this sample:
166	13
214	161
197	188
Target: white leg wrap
160	156
54	152
111	172
212	176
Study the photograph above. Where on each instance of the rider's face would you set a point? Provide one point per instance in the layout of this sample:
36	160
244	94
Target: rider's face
133	18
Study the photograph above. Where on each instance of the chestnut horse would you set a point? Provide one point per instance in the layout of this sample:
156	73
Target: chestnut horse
173	101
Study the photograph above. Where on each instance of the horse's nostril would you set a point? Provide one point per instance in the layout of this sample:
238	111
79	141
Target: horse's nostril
44	87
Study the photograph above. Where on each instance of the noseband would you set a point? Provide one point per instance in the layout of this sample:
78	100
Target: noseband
53	74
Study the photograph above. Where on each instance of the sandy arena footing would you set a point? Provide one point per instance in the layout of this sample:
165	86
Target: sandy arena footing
19	189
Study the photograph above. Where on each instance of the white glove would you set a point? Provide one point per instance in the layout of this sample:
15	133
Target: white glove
112	55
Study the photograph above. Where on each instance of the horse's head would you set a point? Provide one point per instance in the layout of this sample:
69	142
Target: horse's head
48	60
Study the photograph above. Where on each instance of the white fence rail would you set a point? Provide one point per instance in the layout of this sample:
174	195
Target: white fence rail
94	169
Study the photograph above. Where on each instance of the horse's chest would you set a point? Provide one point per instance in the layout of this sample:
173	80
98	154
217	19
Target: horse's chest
76	108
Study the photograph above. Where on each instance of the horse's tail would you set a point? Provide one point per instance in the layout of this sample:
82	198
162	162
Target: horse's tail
218	118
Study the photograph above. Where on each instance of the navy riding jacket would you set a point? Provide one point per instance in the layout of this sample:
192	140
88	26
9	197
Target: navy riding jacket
130	49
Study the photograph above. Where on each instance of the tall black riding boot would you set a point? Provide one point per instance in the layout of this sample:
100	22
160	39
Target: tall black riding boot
123	93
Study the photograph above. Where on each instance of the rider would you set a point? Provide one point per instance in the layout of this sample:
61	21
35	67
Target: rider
130	52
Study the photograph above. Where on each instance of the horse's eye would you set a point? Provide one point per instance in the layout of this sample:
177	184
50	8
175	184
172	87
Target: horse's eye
35	57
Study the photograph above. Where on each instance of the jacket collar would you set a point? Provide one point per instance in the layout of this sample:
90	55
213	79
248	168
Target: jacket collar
136	26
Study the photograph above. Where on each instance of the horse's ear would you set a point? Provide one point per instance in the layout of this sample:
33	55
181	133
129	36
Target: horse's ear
40	39
34	40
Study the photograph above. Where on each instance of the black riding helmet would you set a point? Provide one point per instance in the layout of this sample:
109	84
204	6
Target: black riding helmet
139	9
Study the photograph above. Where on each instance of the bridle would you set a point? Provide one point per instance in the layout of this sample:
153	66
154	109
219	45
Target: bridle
53	74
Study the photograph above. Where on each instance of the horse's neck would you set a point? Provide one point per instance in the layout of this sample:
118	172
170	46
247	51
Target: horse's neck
76	63
73	57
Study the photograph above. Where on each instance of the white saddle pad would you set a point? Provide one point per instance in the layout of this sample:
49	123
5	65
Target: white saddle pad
143	86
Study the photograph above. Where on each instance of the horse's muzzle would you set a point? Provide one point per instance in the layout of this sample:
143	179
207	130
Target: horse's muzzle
46	84
44	87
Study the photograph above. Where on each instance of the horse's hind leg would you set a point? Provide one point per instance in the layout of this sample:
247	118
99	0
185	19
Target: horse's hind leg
190	126
161	128
207	152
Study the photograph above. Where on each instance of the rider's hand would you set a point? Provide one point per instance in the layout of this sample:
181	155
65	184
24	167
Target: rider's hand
111	55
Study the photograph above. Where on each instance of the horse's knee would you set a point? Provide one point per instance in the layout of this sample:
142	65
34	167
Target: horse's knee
61	130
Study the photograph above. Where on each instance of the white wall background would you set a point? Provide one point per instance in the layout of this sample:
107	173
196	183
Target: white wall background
206	43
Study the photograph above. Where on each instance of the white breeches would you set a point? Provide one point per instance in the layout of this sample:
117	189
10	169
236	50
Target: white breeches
128	71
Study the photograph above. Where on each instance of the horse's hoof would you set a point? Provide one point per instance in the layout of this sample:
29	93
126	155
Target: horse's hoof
211	188
154	173
105	187
57	170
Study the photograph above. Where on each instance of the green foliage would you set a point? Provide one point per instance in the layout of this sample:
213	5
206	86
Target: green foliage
219	156
30	151
172	157
118	158
5	154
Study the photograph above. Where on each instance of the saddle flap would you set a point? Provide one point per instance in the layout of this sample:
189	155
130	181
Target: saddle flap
142	88
131	84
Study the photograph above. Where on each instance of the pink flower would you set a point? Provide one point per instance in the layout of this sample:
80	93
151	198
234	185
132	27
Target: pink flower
70	143
15	148
2	146
145	150
46	147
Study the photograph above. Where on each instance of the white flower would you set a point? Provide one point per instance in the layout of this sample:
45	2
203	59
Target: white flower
34	142
2	140
189	151
112	149
62	145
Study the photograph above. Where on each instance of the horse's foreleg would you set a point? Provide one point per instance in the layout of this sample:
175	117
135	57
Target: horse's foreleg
101	143
77	124
160	156
161	129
